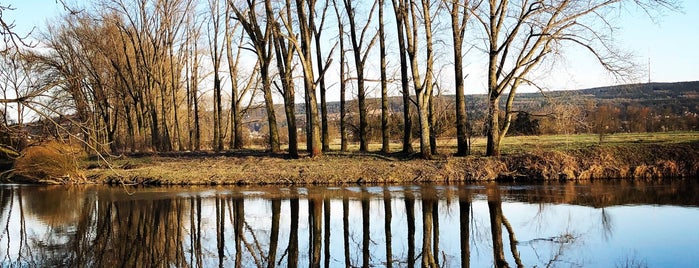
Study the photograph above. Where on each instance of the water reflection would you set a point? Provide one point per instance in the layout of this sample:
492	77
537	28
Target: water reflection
573	224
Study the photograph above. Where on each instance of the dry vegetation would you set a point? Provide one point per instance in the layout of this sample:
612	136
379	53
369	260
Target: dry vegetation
49	163
633	156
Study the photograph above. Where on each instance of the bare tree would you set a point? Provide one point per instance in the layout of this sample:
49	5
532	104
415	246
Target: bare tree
236	139
409	12
398	7
216	52
192	62
242	87
523	34
384	83
322	65
261	40
305	16
285	65
459	13
343	79
361	54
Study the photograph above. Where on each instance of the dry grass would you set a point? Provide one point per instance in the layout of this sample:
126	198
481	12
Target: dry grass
50	162
572	157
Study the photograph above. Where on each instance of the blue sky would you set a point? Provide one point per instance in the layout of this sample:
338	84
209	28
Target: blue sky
670	44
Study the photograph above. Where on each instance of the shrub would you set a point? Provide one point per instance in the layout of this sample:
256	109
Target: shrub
49	162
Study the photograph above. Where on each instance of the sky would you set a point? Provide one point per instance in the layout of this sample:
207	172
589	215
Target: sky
669	43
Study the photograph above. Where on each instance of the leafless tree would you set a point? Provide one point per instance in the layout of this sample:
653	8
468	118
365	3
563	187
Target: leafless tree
285	52
261	40
361	54
459	12
343	78
384	83
398	7
215	25
322	65
523	34
305	10
410	11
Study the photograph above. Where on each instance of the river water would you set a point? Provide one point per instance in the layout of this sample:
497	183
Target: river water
585	224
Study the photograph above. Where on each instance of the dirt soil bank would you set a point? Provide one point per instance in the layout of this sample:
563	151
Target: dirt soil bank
639	161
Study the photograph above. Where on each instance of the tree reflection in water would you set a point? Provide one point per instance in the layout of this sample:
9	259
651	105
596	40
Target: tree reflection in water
265	227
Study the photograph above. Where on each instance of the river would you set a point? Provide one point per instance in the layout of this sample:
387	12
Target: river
573	224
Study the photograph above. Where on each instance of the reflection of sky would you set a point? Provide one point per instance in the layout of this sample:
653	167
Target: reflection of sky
659	236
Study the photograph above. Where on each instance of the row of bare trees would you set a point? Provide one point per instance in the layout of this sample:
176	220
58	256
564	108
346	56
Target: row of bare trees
151	74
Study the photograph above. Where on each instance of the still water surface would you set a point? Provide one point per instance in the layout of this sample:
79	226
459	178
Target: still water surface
591	224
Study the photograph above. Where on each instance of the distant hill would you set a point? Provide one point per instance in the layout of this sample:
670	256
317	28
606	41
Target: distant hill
679	96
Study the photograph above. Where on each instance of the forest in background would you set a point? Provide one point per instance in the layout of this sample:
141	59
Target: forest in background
186	75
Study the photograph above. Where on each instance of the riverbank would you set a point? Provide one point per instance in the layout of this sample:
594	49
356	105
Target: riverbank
625	161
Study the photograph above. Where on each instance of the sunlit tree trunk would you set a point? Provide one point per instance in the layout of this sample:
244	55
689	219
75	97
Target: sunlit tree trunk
286	70
305	13
423	88
261	40
459	11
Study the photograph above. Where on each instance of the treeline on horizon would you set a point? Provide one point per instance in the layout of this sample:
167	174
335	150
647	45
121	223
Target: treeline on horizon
188	75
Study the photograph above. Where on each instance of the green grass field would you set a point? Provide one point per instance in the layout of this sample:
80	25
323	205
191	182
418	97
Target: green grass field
518	144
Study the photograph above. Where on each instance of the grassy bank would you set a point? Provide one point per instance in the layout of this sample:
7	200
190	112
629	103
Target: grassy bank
575	157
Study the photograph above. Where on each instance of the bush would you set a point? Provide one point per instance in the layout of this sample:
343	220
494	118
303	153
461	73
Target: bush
49	162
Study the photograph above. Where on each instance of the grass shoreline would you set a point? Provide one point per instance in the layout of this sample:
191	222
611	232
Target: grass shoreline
647	156
638	161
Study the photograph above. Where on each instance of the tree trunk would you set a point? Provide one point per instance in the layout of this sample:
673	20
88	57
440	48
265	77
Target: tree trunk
433	134
384	87
422	109
325	135
236	139
493	128
359	66
405	88
285	67
313	136
458	28
274	144
343	85
218	136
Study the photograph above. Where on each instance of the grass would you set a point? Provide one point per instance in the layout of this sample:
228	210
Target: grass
642	155
519	144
